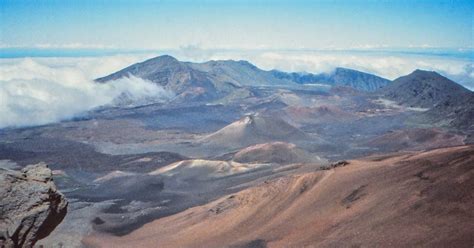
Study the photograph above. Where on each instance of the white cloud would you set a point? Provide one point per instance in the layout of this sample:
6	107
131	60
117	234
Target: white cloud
41	91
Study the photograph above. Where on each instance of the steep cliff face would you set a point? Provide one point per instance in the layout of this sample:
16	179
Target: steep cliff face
30	205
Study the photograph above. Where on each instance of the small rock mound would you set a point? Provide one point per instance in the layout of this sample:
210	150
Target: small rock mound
30	205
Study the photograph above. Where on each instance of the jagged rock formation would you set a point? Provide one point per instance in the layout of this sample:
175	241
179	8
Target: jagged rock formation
30	205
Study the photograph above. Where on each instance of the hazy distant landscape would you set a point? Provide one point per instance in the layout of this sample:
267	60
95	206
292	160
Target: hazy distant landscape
241	146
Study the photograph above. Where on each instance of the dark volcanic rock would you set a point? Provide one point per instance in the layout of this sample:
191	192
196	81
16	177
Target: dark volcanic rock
30	206
67	154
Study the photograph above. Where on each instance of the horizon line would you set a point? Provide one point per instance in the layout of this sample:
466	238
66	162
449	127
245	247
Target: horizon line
34	51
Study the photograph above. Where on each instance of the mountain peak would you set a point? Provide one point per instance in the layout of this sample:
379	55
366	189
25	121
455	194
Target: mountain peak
342	69
424	89
246	63
425	73
162	59
424	77
148	69
421	71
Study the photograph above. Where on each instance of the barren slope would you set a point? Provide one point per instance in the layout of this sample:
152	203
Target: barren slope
405	200
416	139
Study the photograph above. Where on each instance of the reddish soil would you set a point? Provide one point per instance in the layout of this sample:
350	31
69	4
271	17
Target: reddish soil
414	199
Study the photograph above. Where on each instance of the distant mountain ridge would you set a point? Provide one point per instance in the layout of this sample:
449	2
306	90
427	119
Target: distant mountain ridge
172	75
339	77
216	79
449	103
424	89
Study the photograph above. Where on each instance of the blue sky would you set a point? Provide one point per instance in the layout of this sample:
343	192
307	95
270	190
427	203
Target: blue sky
146	24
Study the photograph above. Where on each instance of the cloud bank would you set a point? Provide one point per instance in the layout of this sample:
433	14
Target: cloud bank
42	91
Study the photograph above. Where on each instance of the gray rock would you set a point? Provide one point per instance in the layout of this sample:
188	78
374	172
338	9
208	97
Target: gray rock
30	205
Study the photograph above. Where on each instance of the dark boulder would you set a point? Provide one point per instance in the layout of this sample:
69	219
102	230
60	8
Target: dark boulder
30	205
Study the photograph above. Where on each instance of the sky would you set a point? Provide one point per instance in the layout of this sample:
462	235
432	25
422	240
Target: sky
231	24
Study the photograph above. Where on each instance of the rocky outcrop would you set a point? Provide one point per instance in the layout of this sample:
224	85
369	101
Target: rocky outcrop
30	205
